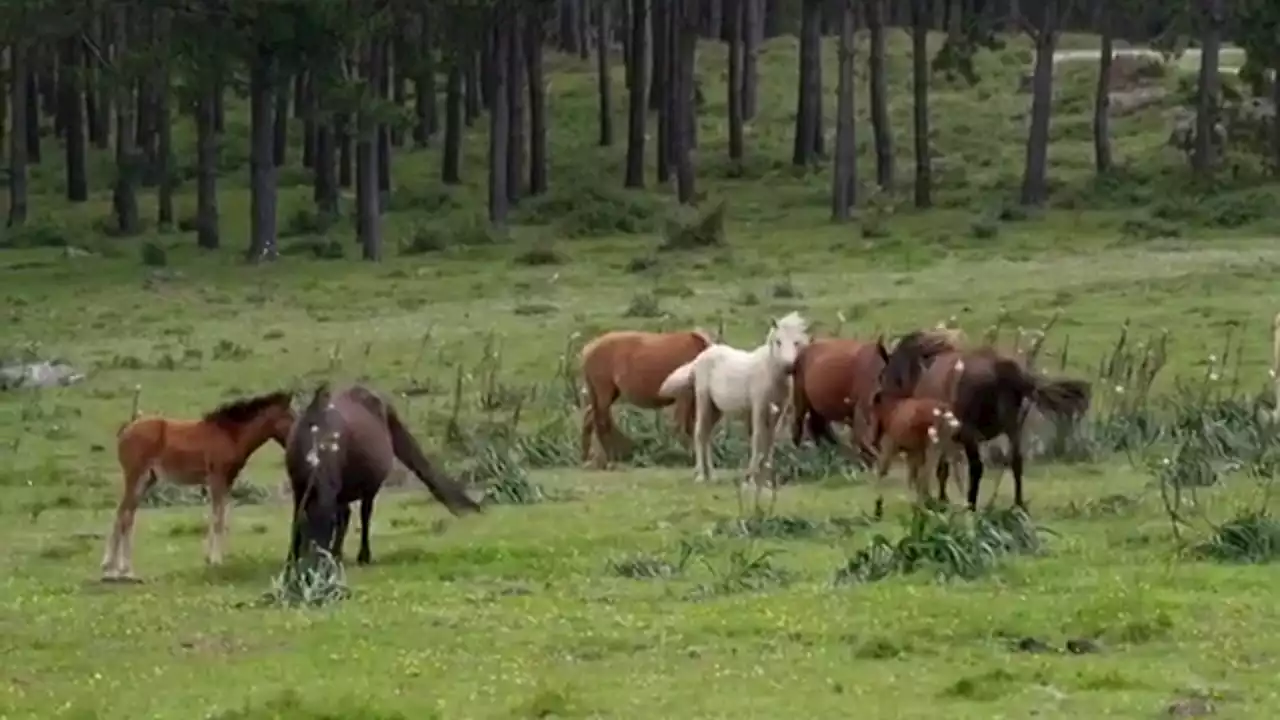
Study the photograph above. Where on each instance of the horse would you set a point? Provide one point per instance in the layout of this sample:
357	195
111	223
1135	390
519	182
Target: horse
341	450
989	400
210	452
631	365
925	430
834	378
729	381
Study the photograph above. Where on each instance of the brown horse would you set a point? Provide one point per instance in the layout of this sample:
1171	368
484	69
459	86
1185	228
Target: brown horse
924	430
989	400
341	450
210	452
834	380
631	365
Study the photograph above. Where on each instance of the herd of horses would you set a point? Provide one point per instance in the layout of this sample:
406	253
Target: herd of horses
931	400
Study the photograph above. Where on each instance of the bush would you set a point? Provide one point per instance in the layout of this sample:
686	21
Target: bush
691	229
582	210
34	235
305	221
153	255
1145	227
458	231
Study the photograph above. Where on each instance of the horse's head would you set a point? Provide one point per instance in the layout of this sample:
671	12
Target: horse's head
787	337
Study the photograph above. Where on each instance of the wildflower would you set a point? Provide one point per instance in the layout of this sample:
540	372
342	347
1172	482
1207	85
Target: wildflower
1272	372
1213	359
1213	377
840	315
1119	389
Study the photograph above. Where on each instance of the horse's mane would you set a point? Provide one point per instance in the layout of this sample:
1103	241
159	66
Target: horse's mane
243	410
909	357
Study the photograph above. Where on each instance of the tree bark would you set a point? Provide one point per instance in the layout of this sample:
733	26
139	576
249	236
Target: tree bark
451	160
71	99
845	174
399	76
808	100
661	87
604	81
104	102
368	214
537	109
637	82
686	40
424	87
19	63
124	195
164	127
1102	96
517	140
880	96
262	166
1203	159
305	108
207	235
920	103
326	171
499	128
382	73
733	19
661	57
751	36
32	124
1034	188
280	124
472	76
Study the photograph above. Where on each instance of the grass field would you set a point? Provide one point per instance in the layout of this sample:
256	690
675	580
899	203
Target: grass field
632	593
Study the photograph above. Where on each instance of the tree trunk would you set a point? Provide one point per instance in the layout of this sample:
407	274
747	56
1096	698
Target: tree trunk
733	17
207	168
399	65
660	58
424	87
164	129
772	18
382	72
342	136
92	85
262	166
220	108
499	127
637	82
368	215
32	124
537	109
473	90
124	195
326	172
1203	158
844	176
71	99
808	99
751	36
100	127
1102	96
581	20
19	62
880	97
604	80
305	108
450	166
1275	120
920	103
686	40
280	124
1034	188
516	144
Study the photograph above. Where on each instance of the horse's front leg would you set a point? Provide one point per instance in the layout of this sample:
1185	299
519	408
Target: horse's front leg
366	517
340	531
219	492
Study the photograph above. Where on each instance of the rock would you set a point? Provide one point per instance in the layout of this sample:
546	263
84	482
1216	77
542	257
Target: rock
1031	645
42	374
1082	646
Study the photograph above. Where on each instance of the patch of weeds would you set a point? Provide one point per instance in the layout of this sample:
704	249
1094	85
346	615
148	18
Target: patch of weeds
306	221
655	567
641	263
689	229
643	305
984	228
746	570
34	235
535	308
786	527
1114	505
153	255
986	686
1142	228
548	703
539	255
785	289
465	230
290	704
169	495
592	209
953	544
317	247
317	583
1251	537
230	351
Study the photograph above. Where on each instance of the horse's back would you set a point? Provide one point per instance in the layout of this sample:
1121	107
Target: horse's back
835	372
637	362
355	420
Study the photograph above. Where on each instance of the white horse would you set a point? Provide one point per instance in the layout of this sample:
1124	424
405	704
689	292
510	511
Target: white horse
729	381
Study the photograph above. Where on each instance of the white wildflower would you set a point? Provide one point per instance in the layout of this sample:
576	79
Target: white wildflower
1213	377
1119	389
840	315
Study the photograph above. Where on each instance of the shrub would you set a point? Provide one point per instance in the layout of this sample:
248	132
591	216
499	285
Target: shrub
690	229
463	230
581	210
34	235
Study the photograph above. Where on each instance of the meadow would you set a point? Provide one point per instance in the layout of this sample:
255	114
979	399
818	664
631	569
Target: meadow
631	592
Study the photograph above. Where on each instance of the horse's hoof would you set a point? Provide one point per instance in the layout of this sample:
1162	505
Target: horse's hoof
363	560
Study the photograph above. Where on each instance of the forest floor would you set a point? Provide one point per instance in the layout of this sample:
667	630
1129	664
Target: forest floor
627	593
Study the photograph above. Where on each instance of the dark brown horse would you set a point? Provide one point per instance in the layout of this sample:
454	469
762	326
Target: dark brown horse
210	451
833	383
988	401
341	450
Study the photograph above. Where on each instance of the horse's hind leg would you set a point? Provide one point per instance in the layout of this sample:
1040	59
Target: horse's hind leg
1015	466
339	539
973	456
117	560
366	517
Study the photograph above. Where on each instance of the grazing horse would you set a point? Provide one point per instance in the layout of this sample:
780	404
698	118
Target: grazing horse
729	381
988	400
210	452
834	380
924	430
341	450
631	365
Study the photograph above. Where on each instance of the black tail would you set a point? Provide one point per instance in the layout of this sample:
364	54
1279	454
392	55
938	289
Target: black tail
448	492
1062	397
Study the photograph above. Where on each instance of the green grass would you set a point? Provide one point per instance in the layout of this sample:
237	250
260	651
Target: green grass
629	593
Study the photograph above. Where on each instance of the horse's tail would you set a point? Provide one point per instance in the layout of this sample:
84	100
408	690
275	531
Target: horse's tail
407	451
1062	397
680	380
